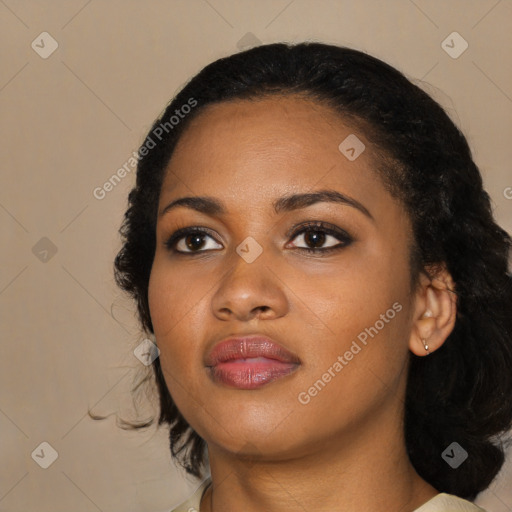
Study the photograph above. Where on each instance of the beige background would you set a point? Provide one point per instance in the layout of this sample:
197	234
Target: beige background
71	120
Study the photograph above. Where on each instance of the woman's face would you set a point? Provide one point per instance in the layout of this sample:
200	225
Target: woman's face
344	316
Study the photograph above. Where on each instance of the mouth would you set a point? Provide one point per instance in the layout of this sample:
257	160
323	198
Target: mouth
250	362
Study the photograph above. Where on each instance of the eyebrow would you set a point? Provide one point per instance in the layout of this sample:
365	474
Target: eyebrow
212	206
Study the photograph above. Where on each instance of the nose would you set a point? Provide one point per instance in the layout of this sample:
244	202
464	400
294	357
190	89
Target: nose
249	290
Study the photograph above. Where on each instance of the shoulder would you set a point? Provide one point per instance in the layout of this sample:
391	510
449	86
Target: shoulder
448	503
192	504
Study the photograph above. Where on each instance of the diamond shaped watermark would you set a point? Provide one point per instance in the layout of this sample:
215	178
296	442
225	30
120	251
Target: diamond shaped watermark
146	352
44	455
249	249
44	249
351	147
249	40
454	455
44	45
454	45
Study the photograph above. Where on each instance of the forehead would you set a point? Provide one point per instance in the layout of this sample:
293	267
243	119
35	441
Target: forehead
250	149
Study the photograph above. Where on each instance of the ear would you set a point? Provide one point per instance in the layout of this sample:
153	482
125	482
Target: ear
435	312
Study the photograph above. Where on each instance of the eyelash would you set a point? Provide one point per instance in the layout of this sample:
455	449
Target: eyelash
314	226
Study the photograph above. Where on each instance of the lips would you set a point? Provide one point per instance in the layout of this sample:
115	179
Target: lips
250	362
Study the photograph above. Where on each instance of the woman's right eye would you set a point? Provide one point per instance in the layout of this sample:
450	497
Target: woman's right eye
189	240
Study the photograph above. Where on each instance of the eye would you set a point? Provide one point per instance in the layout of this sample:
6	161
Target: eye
317	234
188	240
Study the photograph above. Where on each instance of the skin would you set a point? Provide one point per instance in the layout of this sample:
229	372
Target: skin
344	450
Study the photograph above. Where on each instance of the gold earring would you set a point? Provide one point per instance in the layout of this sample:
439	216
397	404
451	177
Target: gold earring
425	345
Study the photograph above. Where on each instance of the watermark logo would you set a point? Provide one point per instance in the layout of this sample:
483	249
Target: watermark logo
44	45
249	40
351	147
454	455
454	45
249	249
44	455
44	249
146	352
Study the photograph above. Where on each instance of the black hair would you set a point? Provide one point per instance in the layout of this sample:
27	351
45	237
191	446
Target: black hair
462	392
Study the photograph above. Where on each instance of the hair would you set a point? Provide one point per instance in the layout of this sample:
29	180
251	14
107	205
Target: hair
462	392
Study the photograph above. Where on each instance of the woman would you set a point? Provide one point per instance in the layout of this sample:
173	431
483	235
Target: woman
310	244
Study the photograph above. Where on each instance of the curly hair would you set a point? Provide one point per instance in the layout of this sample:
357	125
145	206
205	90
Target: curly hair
463	391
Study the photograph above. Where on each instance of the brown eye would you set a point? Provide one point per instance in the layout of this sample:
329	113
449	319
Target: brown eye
189	240
315	235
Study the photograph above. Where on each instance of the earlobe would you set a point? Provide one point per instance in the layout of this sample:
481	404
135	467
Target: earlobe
436	311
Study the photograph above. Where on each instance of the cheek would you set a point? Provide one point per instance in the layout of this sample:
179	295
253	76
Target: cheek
177	309
361	314
172	295
339	303
178	317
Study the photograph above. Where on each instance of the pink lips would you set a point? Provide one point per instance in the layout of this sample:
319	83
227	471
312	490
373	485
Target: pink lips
250	362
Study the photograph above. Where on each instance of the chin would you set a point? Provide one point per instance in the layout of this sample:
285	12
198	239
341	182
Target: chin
253	430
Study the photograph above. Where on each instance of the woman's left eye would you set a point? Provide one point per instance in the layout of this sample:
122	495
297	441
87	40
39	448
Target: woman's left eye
317	233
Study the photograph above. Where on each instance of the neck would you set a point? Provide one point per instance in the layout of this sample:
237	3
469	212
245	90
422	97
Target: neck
367	470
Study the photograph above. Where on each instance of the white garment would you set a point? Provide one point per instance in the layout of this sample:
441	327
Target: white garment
440	503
